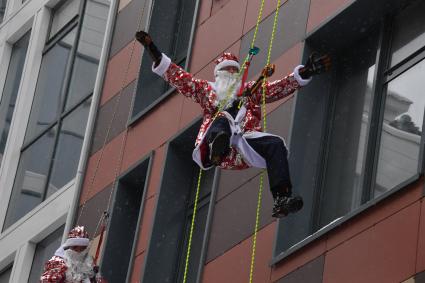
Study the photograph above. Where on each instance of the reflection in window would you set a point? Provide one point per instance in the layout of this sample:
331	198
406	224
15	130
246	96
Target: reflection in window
43	252
89	50
5	274
31	177
55	133
2	9
409	32
63	14
71	139
47	99
172	37
401	131
10	91
345	166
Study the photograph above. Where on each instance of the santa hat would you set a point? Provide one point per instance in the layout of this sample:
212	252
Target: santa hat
77	237
226	60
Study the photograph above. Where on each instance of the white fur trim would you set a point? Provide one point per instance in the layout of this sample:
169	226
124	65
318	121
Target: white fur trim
60	252
297	76
226	63
163	65
72	242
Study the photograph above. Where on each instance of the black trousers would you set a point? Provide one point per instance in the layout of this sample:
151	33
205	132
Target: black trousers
271	148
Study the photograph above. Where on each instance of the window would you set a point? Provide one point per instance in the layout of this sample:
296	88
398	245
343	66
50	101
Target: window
126	215
2	9
5	274
165	259
43	252
10	92
172	41
62	99
357	133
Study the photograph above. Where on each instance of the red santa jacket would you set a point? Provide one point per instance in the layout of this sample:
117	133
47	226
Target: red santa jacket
201	91
55	271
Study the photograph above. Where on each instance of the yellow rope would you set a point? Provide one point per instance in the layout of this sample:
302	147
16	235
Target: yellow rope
264	114
192	225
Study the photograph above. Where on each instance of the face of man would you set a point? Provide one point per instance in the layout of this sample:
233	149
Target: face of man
226	83
79	264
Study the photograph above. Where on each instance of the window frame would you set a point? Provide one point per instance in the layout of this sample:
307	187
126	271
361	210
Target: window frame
136	116
209	200
149	159
383	75
75	23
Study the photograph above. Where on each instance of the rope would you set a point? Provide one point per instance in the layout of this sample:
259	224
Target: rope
220	108
192	225
264	114
119	163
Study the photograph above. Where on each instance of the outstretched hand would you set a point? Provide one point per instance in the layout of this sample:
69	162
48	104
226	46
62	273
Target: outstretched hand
315	65
146	40
143	37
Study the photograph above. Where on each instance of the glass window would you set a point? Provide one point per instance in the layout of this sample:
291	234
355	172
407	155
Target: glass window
401	130
48	94
409	32
172	41
2	9
63	14
5	274
347	142
10	91
88	53
31	177
55	133
43	252
71	137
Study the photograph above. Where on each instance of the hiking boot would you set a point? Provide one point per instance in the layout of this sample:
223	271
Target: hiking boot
219	147
283	205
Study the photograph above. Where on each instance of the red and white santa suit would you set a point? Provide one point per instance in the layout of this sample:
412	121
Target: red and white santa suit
246	124
63	266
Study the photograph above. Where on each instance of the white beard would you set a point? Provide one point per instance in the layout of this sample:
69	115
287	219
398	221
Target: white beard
79	266
224	81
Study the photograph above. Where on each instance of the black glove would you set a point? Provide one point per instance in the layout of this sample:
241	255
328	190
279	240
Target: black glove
145	39
315	65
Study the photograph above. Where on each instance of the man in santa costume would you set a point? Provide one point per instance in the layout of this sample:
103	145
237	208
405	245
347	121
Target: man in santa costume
71	262
231	136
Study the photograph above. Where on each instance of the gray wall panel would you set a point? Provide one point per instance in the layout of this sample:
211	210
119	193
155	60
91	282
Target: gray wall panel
291	29
94	209
126	24
234	217
105	115
311	272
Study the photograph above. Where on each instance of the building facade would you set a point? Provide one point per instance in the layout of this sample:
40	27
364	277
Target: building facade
50	54
355	136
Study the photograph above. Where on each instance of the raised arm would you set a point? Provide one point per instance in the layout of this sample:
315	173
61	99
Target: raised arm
284	87
178	78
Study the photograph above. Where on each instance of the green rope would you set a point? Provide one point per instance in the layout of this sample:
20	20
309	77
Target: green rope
264	114
192	225
220	108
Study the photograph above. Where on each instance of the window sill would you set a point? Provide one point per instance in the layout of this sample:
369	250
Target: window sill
134	119
339	221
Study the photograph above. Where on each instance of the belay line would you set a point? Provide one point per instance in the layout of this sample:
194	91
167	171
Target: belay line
243	71
103	220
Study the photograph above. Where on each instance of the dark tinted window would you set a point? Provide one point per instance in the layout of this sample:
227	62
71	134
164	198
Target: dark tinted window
170	27
43	252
